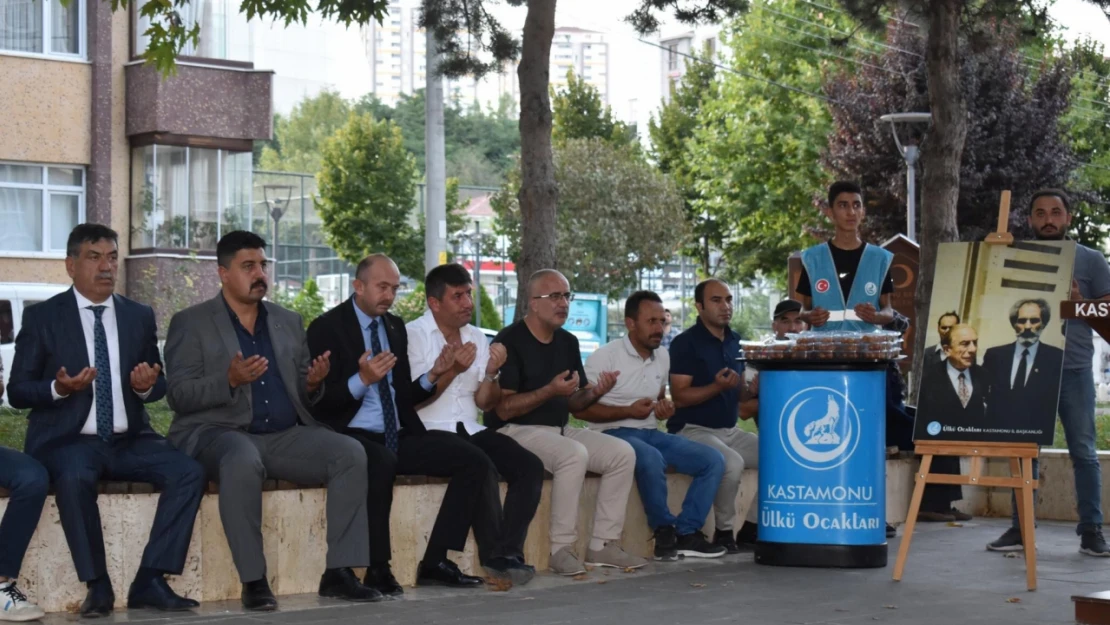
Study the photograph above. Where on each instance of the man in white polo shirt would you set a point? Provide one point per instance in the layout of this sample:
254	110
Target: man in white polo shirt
472	384
630	411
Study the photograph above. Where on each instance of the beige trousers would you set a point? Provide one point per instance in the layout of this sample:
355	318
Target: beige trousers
741	450
568	456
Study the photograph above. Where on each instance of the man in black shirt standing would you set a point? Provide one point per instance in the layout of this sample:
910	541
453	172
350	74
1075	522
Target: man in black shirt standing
542	382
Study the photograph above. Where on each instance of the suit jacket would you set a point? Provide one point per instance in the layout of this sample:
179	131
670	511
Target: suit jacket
200	344
1033	405
939	400
338	331
52	337
934	353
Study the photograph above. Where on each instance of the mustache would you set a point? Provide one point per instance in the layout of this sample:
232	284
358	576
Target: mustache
106	275
657	336
1028	334
261	283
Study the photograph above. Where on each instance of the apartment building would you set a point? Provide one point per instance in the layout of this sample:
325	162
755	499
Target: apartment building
678	47
583	51
89	133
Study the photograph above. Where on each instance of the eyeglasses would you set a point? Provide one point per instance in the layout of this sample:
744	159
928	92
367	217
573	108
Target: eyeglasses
556	297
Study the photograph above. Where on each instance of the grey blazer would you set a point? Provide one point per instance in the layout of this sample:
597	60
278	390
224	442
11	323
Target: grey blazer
200	344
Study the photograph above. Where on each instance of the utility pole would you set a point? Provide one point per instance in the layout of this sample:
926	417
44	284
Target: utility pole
435	166
478	272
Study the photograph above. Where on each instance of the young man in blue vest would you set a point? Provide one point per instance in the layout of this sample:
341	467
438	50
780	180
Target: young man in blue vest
845	283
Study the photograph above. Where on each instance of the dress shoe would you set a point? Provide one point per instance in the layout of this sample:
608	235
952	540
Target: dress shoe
99	600
343	584
927	516
380	578
257	596
445	573
156	593
520	572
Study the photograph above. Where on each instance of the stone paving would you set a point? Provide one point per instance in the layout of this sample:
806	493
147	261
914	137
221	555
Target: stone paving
950	579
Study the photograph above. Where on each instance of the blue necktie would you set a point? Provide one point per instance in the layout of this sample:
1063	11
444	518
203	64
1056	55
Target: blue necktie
389	412
104	410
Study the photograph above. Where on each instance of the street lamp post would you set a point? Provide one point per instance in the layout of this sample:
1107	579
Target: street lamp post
910	154
277	205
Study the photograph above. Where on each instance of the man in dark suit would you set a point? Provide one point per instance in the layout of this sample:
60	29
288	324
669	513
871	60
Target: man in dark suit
86	361
371	396
1024	375
240	381
935	353
955	390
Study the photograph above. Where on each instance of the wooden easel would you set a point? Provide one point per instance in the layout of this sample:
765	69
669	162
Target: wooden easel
1021	456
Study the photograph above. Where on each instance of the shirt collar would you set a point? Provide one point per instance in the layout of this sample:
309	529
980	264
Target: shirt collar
730	334
631	349
364	320
84	302
955	373
261	310
1019	346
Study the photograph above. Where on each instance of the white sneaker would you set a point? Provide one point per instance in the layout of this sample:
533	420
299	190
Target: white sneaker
14	605
613	556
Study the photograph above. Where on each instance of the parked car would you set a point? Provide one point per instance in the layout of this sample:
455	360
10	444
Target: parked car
15	297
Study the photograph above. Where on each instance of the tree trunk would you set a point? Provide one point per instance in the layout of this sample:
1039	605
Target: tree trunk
941	153
538	193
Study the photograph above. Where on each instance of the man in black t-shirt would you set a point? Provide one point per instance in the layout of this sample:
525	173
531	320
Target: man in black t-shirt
542	382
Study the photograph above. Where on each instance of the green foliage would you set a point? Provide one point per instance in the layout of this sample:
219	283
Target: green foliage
299	139
670	136
367	187
491	318
755	152
616	215
308	302
578	112
1087	128
411	306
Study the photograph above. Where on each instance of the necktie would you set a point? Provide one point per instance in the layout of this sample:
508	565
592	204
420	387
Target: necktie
389	412
1019	379
965	396
103	384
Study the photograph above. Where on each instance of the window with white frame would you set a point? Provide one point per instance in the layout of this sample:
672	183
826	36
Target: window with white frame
39	205
43	27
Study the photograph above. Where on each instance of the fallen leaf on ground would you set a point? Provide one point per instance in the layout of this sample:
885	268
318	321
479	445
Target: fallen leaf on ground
955	524
630	570
1010	555
73	608
603	581
1013	600
589	568
580	577
498	585
697	585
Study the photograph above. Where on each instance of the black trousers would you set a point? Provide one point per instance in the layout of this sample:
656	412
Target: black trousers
75	469
497	533
899	433
435	454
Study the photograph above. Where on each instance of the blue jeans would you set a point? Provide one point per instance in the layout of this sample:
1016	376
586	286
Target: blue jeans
656	450
27	482
1077	415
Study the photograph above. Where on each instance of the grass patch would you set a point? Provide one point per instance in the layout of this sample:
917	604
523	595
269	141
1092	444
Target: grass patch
13	423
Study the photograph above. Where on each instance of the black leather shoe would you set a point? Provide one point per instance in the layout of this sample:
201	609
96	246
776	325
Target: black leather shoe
520	572
257	596
445	573
99	601
380	578
344	584
157	594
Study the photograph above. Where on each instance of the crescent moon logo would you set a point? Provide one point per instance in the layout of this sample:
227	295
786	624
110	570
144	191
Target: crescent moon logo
822	285
907	272
846	428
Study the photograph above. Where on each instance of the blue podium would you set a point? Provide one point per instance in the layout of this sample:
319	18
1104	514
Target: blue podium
822	464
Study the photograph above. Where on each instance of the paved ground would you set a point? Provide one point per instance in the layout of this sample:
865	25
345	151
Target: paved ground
950	579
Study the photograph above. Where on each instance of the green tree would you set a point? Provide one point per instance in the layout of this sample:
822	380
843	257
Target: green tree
670	136
491	318
1086	126
580	113
299	139
756	147
617	215
308	302
367	187
412	306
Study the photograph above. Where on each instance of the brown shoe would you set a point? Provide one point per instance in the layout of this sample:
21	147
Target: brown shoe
958	515
934	517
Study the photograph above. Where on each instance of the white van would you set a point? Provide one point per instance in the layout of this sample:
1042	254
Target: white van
14	298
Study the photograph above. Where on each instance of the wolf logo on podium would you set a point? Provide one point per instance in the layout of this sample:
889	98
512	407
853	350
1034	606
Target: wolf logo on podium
819	438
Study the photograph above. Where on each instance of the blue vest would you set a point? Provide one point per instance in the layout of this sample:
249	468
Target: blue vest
867	286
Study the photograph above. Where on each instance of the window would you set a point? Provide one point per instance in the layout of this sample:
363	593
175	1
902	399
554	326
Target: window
184	198
43	27
672	56
39	205
223	29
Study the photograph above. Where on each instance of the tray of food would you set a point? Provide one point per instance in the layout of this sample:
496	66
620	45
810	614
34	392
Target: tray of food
826	346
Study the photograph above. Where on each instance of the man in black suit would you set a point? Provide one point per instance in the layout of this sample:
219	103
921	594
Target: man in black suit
1024	375
935	353
954	391
370	394
86	361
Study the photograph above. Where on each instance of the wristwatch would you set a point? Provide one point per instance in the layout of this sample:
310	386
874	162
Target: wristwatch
492	378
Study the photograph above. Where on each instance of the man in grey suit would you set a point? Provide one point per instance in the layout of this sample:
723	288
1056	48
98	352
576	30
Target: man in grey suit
240	381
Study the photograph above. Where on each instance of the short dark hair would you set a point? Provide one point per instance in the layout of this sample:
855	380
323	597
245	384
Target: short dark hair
1059	194
843	186
1046	310
950	313
699	290
632	304
230	244
88	233
443	276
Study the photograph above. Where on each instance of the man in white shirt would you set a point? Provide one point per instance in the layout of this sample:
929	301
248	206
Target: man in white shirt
630	411
86	362
469	386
